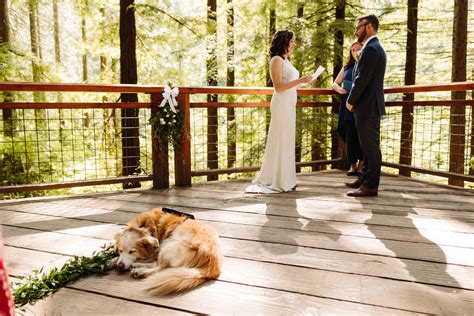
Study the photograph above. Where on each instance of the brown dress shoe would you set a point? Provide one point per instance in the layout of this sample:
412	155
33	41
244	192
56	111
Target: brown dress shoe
363	191
356	184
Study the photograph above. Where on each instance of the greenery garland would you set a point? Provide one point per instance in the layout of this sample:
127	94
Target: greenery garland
169	124
36	286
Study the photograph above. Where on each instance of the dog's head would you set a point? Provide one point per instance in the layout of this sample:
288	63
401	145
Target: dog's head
134	244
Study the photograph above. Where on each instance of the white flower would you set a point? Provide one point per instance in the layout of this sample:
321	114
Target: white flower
162	121
174	121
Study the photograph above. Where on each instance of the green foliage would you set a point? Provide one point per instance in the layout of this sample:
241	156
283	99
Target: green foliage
39	285
171	46
169	124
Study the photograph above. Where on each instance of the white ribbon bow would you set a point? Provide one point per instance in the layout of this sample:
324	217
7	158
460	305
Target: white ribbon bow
169	96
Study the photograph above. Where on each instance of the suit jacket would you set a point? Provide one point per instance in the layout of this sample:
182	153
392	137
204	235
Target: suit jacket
367	95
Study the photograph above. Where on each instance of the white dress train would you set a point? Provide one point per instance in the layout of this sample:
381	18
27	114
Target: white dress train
278	170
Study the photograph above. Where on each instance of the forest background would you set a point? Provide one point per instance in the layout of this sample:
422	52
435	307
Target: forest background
217	42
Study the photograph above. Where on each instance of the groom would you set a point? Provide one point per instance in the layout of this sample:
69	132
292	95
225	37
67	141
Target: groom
366	99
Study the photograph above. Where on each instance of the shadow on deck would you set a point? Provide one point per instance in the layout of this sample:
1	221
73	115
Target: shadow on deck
312	251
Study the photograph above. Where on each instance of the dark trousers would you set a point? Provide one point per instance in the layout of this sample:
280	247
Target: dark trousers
368	129
353	151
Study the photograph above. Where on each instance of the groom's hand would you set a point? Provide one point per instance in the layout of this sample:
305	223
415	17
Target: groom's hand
350	107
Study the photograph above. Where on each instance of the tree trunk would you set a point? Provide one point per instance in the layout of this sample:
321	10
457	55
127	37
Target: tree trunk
34	34
320	127
57	59
128	74
298	61
457	120
8	114
84	41
231	126
103	58
471	162
406	139
38	30
211	69
40	115
57	47
337	152
271	32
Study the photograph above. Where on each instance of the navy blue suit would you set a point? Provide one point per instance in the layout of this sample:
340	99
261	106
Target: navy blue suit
367	97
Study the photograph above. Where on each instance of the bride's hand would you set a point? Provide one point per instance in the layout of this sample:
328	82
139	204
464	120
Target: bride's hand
306	79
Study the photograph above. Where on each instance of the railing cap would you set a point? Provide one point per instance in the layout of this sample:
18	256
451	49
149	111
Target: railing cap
138	88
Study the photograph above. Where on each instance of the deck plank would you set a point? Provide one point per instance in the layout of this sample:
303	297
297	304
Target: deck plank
355	263
320	283
301	237
314	250
68	301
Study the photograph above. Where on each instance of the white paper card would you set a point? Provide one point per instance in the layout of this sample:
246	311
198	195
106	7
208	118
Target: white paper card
318	72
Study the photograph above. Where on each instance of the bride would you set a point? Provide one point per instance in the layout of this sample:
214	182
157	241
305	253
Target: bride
278	170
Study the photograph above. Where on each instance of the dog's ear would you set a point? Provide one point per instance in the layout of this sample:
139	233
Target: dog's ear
151	244
117	240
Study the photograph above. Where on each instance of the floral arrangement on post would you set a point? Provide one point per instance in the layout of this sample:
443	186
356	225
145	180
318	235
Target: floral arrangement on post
169	120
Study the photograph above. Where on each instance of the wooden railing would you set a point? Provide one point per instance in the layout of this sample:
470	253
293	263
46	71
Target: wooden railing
184	172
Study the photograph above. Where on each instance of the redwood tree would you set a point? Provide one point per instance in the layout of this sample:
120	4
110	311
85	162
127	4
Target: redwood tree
8	114
457	120
211	67
230	82
406	139
338	64
128	74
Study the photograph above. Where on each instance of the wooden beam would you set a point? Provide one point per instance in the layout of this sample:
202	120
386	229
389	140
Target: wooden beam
70	184
182	156
444	174
253	104
256	168
89	105
159	151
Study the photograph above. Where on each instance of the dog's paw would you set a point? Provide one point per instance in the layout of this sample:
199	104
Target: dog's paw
139	273
137	265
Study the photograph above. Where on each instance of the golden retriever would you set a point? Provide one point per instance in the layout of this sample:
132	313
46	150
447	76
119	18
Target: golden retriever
184	252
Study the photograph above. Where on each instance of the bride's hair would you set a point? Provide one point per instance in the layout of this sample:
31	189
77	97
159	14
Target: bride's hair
280	42
351	60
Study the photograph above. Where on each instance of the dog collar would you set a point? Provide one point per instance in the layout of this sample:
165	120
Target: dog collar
177	213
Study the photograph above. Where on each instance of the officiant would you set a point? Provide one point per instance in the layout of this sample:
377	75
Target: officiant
346	126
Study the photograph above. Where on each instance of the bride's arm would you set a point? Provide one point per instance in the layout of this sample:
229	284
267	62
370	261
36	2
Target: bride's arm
276	73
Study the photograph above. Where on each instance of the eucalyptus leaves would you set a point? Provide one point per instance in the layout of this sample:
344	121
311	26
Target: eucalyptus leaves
38	285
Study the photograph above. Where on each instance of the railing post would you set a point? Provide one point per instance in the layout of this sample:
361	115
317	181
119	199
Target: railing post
159	152
212	137
406	139
182	154
457	138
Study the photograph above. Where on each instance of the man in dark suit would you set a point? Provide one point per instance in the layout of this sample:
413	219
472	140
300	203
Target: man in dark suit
366	100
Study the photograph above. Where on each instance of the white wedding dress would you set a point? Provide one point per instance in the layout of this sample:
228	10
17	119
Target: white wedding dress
278	170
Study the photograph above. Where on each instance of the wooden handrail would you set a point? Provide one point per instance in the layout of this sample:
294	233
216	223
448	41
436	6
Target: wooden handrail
455	86
183	156
129	88
79	105
431	103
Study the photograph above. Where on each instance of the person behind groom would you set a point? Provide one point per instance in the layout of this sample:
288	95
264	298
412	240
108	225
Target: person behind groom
366	100
346	122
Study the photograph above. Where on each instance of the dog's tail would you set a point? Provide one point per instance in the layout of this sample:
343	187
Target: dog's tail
174	280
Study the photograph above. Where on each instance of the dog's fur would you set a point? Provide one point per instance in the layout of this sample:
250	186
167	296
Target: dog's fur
184	252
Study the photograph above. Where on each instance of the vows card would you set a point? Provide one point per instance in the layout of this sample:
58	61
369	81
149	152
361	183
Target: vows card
318	72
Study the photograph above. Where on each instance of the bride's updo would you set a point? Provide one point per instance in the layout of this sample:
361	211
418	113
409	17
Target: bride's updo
280	43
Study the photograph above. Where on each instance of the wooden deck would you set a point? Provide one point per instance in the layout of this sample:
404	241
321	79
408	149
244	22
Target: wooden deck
312	251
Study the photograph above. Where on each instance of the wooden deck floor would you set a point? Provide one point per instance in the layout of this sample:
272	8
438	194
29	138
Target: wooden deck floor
312	251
